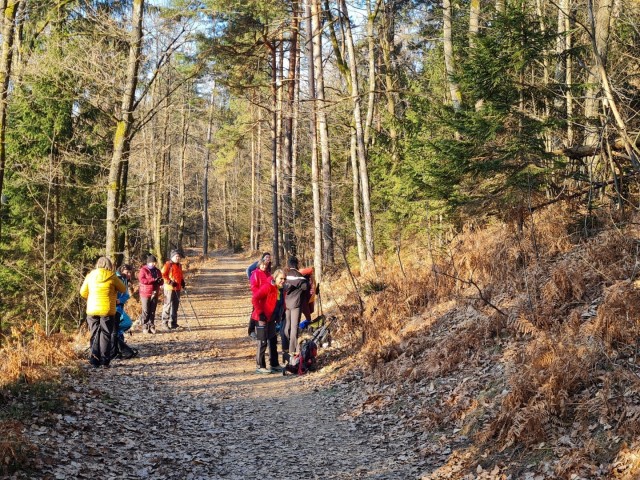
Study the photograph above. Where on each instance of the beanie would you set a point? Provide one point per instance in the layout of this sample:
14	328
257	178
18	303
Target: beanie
151	259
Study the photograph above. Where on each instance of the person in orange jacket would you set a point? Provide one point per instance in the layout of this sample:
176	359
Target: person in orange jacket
173	285
100	288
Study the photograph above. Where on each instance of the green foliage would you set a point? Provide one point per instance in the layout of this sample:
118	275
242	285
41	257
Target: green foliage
487	159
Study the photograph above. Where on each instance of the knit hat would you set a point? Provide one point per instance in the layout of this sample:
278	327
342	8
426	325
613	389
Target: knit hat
175	252
151	259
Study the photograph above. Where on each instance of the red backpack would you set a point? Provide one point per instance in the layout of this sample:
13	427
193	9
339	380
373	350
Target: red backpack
304	361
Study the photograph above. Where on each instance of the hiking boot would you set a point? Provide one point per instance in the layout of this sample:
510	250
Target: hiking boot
277	368
145	330
152	329
263	370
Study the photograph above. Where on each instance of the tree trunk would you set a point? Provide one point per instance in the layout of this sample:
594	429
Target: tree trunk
253	214
8	28
357	217
315	176
184	130
259	215
449	63
372	13
205	178
360	143
123	128
287	203
387	45
274	155
225	214
323	130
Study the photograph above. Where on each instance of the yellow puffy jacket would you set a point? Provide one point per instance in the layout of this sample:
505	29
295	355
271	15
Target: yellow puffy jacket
99	288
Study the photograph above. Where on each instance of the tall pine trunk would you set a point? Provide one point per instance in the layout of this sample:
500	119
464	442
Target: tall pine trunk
122	134
287	202
360	143
205	178
323	130
315	174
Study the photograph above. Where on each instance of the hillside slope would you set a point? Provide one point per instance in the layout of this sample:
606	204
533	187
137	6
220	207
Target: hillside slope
514	352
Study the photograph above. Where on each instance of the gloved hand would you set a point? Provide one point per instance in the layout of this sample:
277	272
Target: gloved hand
304	324
173	283
159	281
182	284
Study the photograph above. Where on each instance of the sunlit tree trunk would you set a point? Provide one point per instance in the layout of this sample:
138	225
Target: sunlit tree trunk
184	130
315	176
123	128
274	154
357	216
254	196
205	178
360	143
287	203
372	13
323	131
449	62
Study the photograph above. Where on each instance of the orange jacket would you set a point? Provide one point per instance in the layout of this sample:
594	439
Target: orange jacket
172	272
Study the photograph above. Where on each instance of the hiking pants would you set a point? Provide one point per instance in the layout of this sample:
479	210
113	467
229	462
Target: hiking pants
291	328
148	315
170	308
273	352
101	328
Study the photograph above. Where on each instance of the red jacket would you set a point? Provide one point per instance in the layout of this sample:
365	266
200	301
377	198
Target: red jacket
258	278
172	272
148	280
264	301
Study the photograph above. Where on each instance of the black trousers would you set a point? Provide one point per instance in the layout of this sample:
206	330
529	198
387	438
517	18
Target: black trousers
101	328
272	342
148	315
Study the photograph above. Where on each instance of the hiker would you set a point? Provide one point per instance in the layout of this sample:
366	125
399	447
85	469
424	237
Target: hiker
266	309
150	279
308	306
122	323
99	288
296	289
173	285
265	256
251	330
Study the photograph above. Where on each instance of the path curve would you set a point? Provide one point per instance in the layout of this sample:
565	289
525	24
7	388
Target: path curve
192	407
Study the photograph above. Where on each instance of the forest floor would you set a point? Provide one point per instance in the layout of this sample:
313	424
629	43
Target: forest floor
191	406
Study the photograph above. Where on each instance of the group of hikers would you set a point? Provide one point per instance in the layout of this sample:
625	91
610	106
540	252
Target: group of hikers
279	301
106	292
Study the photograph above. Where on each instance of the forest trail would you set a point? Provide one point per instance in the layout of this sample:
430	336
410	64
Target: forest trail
192	407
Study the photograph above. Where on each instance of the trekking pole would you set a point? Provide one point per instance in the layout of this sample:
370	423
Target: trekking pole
184	315
318	294
191	304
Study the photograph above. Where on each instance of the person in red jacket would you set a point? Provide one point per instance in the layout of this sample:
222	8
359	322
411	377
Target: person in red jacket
173	285
150	279
264	299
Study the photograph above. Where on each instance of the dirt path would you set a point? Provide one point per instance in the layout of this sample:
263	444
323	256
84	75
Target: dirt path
192	407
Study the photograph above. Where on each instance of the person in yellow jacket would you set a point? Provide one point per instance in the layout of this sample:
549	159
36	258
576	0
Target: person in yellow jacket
100	288
173	285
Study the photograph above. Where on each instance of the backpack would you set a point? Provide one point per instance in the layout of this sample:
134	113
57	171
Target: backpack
304	361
